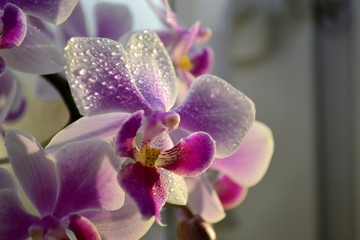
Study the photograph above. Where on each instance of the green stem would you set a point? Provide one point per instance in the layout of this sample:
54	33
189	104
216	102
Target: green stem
62	86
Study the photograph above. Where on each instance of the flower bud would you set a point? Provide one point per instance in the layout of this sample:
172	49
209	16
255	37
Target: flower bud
195	228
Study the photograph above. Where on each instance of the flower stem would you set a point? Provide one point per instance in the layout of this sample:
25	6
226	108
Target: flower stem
62	86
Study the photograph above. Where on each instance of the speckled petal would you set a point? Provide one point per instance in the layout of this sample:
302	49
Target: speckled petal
176	187
230	193
6	180
112	20
146	186
125	139
88	178
152	69
214	106
249	163
14	220
36	173
36	54
126	222
103	126
56	11
99	78
14	26
191	156
83	228
203	200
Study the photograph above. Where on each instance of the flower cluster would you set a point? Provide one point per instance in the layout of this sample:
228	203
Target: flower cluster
136	143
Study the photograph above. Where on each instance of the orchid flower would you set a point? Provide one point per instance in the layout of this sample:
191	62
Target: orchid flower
146	180
75	192
235	175
104	77
25	48
185	45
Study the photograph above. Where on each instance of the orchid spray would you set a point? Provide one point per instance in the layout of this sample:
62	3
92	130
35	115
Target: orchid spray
135	143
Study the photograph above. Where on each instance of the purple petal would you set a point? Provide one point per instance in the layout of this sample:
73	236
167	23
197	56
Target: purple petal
184	44
146	186
56	11
126	222
249	163
202	62
14	220
176	187
203	200
11	91
88	178
230	193
6	180
113	20
125	140
14	26
36	173
191	156
36	54
167	16
214	106
83	228
99	79
75	25
104	127
152	69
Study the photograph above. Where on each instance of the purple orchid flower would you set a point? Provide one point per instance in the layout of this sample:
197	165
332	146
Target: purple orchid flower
190	57
104	77
74	190
25	48
143	180
234	175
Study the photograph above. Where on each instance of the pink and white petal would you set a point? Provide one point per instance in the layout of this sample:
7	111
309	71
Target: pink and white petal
125	139
109	15
191	156
203	200
103	126
6	180
100	81
249	163
126	222
214	106
176	187
146	186
152	69
36	54
55	11
88	178
14	26
36	173
14	220
230	193
83	228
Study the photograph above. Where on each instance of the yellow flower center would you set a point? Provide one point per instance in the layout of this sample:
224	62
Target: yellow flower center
185	63
147	155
